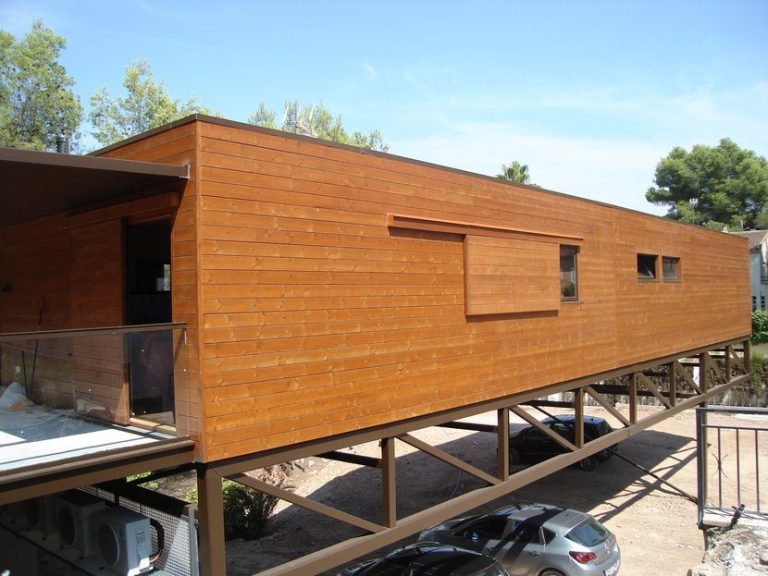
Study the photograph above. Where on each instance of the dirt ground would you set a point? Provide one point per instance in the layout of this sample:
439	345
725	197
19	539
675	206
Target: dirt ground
655	525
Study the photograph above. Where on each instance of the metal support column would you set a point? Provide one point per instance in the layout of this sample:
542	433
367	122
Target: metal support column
502	432
673	383
388	482
578	411
633	398
213	560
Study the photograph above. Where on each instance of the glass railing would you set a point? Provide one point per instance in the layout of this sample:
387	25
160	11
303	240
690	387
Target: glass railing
81	384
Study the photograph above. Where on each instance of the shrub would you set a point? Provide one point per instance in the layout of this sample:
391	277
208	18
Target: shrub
246	511
760	326
758	366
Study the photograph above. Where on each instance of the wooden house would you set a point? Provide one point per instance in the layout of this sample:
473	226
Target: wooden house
321	293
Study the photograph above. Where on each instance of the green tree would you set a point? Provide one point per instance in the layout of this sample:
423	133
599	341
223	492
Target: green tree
316	120
715	187
36	98
515	172
146	105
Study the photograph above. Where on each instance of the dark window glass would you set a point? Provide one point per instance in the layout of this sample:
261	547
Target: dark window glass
568	278
486	529
588	533
646	267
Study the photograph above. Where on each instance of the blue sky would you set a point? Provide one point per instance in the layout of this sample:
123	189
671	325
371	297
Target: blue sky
590	94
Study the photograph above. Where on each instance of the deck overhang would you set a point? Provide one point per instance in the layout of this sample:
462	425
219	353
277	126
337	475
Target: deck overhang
38	184
64	474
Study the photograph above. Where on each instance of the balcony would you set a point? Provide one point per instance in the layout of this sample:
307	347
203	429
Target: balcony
81	395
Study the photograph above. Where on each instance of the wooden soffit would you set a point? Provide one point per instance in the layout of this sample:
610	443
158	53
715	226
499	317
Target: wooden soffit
38	184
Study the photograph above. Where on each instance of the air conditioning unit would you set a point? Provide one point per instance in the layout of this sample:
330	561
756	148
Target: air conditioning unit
74	512
123	540
43	515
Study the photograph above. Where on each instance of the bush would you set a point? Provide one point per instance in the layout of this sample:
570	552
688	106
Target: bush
760	326
246	511
758	367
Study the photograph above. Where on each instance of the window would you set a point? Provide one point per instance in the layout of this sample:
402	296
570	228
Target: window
486	529
568	278
646	266
671	268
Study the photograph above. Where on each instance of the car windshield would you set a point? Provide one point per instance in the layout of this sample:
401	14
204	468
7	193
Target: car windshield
589	533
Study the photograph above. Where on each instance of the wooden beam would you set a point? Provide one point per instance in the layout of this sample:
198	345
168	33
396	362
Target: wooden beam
544	429
578	413
689	380
633	398
654	389
502	452
212	548
351	458
304	503
348	550
672	366
600	399
448	458
388	482
475	427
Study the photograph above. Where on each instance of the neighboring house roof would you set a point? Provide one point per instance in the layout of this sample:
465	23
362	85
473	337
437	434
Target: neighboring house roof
755	237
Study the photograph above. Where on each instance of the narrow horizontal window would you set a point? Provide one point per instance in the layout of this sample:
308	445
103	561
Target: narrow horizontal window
646	266
569	287
671	268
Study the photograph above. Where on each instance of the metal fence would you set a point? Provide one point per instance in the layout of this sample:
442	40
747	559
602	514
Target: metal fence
732	444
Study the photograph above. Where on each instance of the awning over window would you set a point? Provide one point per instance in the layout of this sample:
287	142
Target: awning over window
38	184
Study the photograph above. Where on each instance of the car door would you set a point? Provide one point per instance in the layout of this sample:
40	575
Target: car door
522	550
481	534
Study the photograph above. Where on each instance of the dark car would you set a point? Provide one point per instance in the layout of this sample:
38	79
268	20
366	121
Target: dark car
531	444
536	540
428	559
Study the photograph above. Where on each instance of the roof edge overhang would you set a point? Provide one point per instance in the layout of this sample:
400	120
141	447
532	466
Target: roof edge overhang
37	184
98	163
289	135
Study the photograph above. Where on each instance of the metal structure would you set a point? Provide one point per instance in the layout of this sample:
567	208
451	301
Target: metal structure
678	383
732	486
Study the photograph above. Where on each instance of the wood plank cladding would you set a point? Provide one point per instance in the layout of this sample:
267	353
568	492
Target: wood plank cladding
477	229
510	276
328	289
335	285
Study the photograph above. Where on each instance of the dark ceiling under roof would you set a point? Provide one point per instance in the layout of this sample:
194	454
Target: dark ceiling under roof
38	184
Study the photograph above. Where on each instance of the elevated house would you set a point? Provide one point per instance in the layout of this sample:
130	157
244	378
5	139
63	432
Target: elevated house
224	297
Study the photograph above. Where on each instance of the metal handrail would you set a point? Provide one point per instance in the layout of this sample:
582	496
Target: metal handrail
111	330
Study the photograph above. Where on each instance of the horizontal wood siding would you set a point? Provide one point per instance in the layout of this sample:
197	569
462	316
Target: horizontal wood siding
34	270
178	146
320	318
510	276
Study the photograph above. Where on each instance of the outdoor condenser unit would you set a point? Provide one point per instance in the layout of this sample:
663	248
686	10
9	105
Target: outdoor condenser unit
123	540
74	512
41	515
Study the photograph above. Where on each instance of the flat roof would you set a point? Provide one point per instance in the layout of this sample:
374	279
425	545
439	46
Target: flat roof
38	184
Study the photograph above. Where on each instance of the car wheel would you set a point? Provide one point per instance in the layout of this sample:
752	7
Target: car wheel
588	464
514	456
550	572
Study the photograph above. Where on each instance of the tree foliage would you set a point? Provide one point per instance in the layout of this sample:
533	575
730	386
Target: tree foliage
316	120
36	98
715	187
146	105
515	172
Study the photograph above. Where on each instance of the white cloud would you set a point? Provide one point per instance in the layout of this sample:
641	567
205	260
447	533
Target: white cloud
370	70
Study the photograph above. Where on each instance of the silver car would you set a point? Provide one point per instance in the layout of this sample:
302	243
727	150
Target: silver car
535	540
